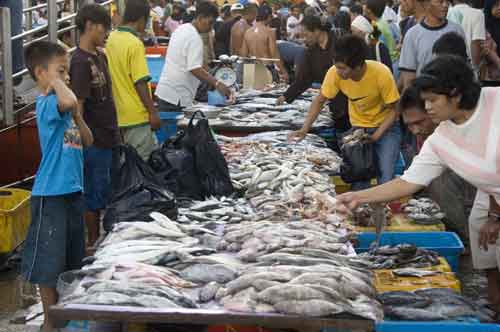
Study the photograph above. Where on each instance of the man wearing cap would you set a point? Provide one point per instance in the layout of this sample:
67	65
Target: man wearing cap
223	35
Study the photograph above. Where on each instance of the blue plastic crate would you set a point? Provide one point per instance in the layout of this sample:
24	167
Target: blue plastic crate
446	244
440	326
155	66
168	125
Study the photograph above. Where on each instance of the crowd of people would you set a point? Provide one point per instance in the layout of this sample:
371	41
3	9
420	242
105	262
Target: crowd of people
414	77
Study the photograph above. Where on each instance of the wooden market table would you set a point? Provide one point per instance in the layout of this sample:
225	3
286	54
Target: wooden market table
205	317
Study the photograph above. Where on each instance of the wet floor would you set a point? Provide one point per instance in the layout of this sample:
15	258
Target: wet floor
16	294
474	282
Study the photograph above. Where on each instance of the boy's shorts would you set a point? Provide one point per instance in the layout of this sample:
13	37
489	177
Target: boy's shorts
56	238
97	176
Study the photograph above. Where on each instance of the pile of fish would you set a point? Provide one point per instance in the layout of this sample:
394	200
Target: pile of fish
356	137
431	305
125	284
306	268
294	243
312	290
217	210
400	256
423	211
259	109
282	181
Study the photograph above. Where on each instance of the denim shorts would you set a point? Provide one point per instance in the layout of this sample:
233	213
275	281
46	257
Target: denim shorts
56	238
97	176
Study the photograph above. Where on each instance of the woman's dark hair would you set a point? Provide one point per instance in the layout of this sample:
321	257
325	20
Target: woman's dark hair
450	43
450	75
207	9
314	23
135	10
351	50
411	99
93	13
356	8
377	7
342	20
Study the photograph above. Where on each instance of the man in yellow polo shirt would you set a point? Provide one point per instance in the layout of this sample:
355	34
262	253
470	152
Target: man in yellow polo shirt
372	94
137	115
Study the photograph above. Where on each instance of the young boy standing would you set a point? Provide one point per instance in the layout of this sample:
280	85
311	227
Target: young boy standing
91	83
137	115
55	240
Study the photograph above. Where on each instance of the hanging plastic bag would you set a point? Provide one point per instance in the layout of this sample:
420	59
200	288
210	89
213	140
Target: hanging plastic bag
135	191
359	162
210	163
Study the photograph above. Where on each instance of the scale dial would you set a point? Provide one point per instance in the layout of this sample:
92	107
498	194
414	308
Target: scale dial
226	75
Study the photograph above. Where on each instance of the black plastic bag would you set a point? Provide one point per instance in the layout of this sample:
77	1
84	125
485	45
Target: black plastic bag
135	191
128	170
175	169
137	203
210	163
359	162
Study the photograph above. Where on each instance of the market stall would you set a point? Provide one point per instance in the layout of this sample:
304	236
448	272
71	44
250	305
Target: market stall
273	255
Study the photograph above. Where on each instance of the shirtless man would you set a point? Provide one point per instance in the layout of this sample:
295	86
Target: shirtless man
260	41
239	28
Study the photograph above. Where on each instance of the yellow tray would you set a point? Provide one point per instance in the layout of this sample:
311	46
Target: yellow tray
386	281
15	217
442	267
400	223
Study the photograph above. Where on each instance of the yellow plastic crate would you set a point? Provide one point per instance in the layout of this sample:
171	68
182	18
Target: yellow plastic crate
442	267
386	281
400	223
15	217
342	187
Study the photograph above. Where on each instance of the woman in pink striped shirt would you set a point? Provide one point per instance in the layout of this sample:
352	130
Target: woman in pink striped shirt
467	141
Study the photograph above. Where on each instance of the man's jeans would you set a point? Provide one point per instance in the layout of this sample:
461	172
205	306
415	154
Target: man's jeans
16	26
387	149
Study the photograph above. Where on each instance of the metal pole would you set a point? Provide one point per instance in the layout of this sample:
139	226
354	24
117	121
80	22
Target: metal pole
6	58
52	18
74	35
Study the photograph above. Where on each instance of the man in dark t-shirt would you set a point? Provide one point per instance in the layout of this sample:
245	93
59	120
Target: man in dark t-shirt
91	83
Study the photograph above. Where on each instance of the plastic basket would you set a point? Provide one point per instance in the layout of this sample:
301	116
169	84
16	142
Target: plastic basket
168	125
155	66
15	217
387	281
446	244
439	326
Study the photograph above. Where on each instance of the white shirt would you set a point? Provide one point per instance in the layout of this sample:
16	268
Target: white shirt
185	53
293	27
471	20
389	15
158	11
471	149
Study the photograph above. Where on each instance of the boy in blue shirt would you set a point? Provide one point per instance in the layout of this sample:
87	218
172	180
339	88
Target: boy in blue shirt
55	242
